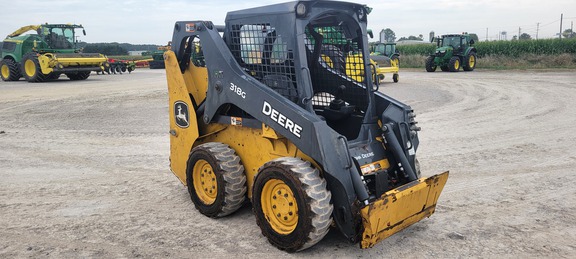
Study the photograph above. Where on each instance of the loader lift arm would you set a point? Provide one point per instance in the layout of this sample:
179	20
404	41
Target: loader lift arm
23	30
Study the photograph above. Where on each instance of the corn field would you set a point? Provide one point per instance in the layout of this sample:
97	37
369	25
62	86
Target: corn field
515	48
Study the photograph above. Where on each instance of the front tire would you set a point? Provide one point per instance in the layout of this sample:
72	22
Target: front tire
31	68
291	204
430	66
454	64
470	63
396	78
9	70
216	180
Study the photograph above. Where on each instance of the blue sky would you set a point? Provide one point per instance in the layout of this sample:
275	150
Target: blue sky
151	21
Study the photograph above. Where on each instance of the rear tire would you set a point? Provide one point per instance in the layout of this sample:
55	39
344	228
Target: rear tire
470	62
291	204
430	66
454	64
31	68
216	180
78	76
9	70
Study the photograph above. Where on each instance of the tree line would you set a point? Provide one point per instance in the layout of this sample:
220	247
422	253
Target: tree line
115	48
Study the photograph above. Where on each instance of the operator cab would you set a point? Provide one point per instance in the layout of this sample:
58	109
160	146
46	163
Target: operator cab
59	36
335	57
321	68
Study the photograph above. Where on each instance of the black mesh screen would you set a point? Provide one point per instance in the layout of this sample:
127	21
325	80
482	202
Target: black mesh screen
335	60
265	55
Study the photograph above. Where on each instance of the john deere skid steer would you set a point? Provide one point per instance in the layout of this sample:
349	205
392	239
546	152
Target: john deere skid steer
257	113
47	54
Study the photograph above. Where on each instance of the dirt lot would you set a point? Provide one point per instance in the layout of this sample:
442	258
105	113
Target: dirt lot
84	171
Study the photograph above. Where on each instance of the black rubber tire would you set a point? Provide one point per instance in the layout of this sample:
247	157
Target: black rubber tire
53	76
230	179
37	75
78	76
396	78
11	67
312	198
444	68
454	64
430	66
467	66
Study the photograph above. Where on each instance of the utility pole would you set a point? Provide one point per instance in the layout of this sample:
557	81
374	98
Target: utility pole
560	34
519	32
486	34
537	28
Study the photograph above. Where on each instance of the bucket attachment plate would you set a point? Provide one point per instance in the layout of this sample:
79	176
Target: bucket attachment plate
399	208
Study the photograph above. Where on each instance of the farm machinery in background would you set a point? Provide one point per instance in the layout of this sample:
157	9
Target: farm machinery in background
46	55
388	59
157	60
453	51
119	66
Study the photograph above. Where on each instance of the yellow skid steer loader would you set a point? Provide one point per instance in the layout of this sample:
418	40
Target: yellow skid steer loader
257	113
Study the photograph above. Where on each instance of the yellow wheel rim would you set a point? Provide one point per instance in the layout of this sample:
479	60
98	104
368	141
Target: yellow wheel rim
279	206
5	71
205	183
471	61
30	68
457	64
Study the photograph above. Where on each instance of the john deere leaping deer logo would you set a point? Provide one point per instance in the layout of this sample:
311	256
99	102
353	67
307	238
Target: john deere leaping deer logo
181	116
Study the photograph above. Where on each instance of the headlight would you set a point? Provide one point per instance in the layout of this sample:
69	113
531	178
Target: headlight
301	9
361	14
442	51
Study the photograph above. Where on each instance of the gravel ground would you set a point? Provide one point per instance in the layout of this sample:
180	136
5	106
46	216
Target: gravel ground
84	171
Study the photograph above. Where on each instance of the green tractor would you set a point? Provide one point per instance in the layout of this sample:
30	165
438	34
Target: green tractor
387	57
387	49
454	51
46	55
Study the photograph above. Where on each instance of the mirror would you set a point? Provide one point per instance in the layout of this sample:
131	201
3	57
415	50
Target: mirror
370	34
471	41
84	32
